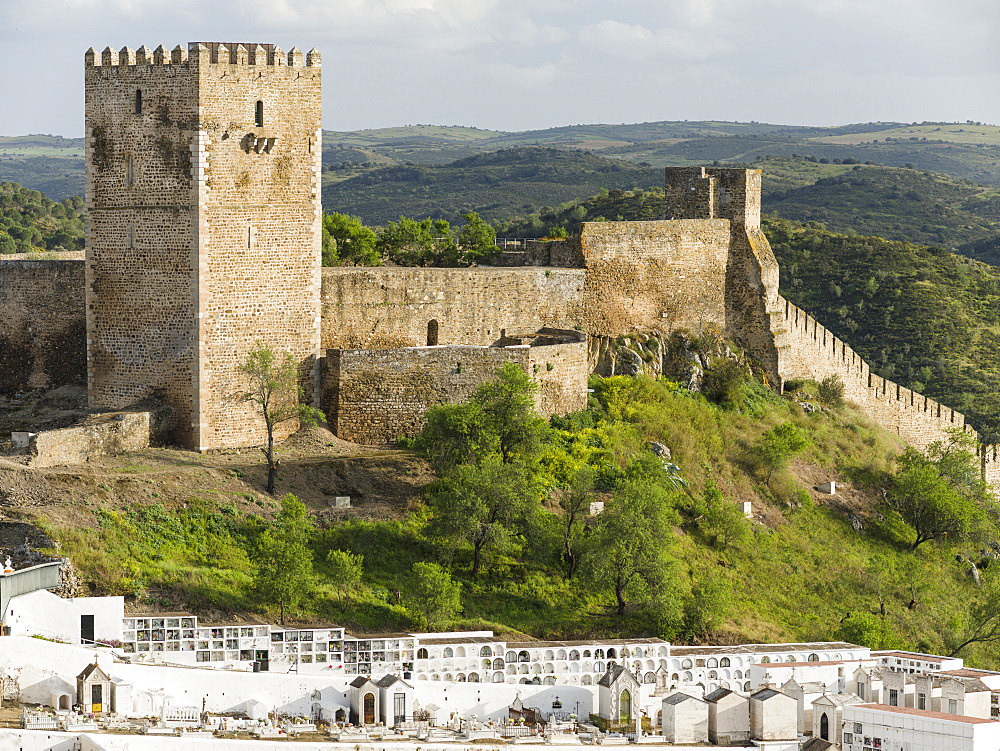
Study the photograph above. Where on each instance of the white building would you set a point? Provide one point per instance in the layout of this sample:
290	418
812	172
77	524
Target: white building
773	716
685	719
728	717
870	726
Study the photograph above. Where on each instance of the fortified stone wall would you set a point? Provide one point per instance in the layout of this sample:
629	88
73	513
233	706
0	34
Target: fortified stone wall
42	324
808	350
391	308
375	396
643	276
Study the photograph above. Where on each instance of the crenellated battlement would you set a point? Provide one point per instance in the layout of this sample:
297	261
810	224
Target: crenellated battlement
205	53
809	350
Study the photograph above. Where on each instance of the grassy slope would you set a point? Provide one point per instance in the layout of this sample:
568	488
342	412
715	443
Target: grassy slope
801	571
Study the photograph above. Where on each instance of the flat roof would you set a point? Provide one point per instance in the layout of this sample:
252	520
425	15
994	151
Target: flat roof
914	656
925	713
171	614
968	673
599	643
800	663
753	648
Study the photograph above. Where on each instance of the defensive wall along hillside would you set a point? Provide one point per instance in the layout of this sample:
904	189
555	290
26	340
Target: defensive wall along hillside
807	349
42	319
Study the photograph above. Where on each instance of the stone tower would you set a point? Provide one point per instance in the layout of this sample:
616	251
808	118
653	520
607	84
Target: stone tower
204	227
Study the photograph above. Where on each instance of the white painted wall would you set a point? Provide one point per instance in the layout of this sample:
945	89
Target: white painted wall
46	614
39	663
915	731
40	740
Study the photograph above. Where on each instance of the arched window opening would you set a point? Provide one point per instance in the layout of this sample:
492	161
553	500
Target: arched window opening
259	114
824	727
138	101
421	654
432	333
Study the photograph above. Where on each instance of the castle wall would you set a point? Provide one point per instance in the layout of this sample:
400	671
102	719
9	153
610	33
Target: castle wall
643	276
391	308
375	396
808	350
42	320
259	237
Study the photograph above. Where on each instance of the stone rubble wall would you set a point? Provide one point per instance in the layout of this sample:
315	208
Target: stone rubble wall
647	276
100	435
390	307
376	396
42	324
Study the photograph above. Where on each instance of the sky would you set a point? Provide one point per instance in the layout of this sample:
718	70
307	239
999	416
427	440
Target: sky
527	64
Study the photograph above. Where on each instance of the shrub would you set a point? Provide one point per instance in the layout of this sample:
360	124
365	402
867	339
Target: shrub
723	383
831	391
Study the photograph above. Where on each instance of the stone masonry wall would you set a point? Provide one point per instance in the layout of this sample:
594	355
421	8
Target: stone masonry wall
390	308
808	350
375	396
99	435
42	324
141	223
643	276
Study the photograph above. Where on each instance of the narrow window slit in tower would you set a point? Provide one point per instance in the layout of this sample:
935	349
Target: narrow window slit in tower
129	171
138	101
259	114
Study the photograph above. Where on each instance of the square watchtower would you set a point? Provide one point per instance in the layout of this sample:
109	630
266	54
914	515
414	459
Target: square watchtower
203	175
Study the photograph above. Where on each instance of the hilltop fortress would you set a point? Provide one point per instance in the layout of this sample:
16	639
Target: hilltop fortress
203	238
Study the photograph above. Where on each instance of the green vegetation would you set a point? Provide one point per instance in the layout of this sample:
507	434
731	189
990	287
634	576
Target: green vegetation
679	561
283	564
273	391
30	222
921	316
497	185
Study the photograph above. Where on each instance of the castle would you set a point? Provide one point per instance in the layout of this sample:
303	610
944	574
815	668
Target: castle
203	238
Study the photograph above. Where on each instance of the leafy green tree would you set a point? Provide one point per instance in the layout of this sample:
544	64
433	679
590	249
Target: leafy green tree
629	550
345	571
983	622
778	445
346	240
575	504
508	405
433	594
705	608
273	390
283	573
831	390
428	242
719	518
482	505
476	239
928	502
499	419
870	631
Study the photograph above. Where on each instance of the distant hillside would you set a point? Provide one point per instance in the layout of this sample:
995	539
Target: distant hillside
30	222
498	185
51	164
963	150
